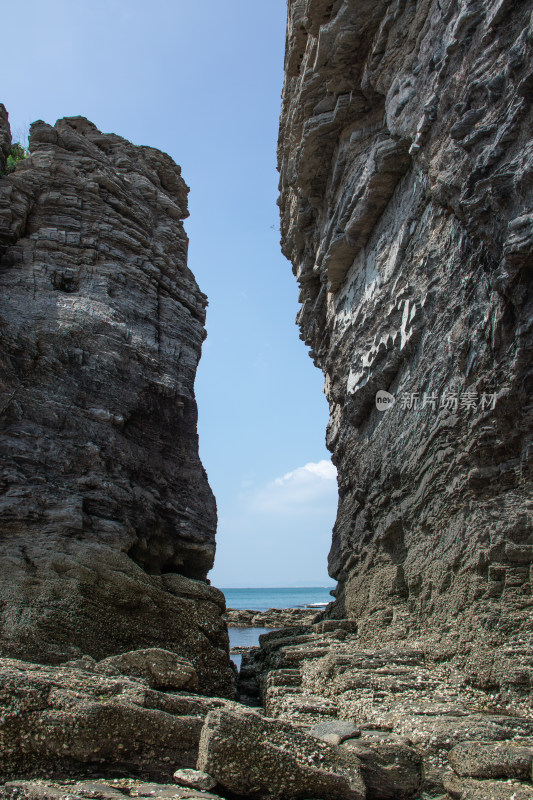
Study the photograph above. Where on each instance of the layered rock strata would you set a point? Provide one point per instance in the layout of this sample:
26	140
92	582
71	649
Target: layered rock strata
107	519
344	722
69	730
416	727
406	155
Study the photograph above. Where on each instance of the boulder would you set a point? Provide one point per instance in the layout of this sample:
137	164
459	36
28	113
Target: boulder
194	779
68	722
492	760
160	668
255	756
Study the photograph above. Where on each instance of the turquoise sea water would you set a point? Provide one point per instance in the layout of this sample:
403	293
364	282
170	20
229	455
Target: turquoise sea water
262	599
244	637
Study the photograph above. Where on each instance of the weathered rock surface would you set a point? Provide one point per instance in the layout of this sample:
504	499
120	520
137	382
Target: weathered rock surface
115	789
406	154
490	760
468	789
390	770
335	731
254	756
160	668
107	519
59	721
194	779
406	717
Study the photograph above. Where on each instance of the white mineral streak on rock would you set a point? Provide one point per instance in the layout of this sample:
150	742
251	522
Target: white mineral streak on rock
405	156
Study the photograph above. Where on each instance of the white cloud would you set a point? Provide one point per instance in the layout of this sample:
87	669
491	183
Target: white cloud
305	490
323	469
279	533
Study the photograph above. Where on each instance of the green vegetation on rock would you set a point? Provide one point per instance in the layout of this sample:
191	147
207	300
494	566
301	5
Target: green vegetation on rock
16	154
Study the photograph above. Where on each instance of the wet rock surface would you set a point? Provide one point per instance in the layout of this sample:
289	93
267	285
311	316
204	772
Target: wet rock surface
108	521
405	156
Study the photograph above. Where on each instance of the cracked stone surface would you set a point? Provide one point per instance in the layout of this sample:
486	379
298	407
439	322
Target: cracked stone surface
416	725
69	721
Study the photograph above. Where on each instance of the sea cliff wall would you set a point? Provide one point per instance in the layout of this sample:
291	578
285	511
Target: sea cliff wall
107	518
405	153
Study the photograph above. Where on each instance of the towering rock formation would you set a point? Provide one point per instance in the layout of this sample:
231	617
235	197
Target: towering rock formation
107	519
406	160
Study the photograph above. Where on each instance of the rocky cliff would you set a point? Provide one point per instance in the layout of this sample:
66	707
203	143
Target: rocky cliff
107	519
406	161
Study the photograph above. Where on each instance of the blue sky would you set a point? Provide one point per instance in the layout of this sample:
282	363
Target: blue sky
202	82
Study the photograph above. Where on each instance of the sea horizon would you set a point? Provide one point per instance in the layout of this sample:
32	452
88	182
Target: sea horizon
258	598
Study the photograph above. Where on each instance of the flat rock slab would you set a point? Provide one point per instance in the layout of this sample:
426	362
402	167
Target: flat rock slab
441	733
335	731
492	760
194	779
260	757
97	790
272	618
470	789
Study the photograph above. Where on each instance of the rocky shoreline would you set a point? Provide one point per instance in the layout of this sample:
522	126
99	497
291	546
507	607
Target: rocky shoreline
406	166
419	728
271	618
334	719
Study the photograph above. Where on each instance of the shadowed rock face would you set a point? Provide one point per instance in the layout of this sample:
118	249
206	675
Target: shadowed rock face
406	156
107	519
